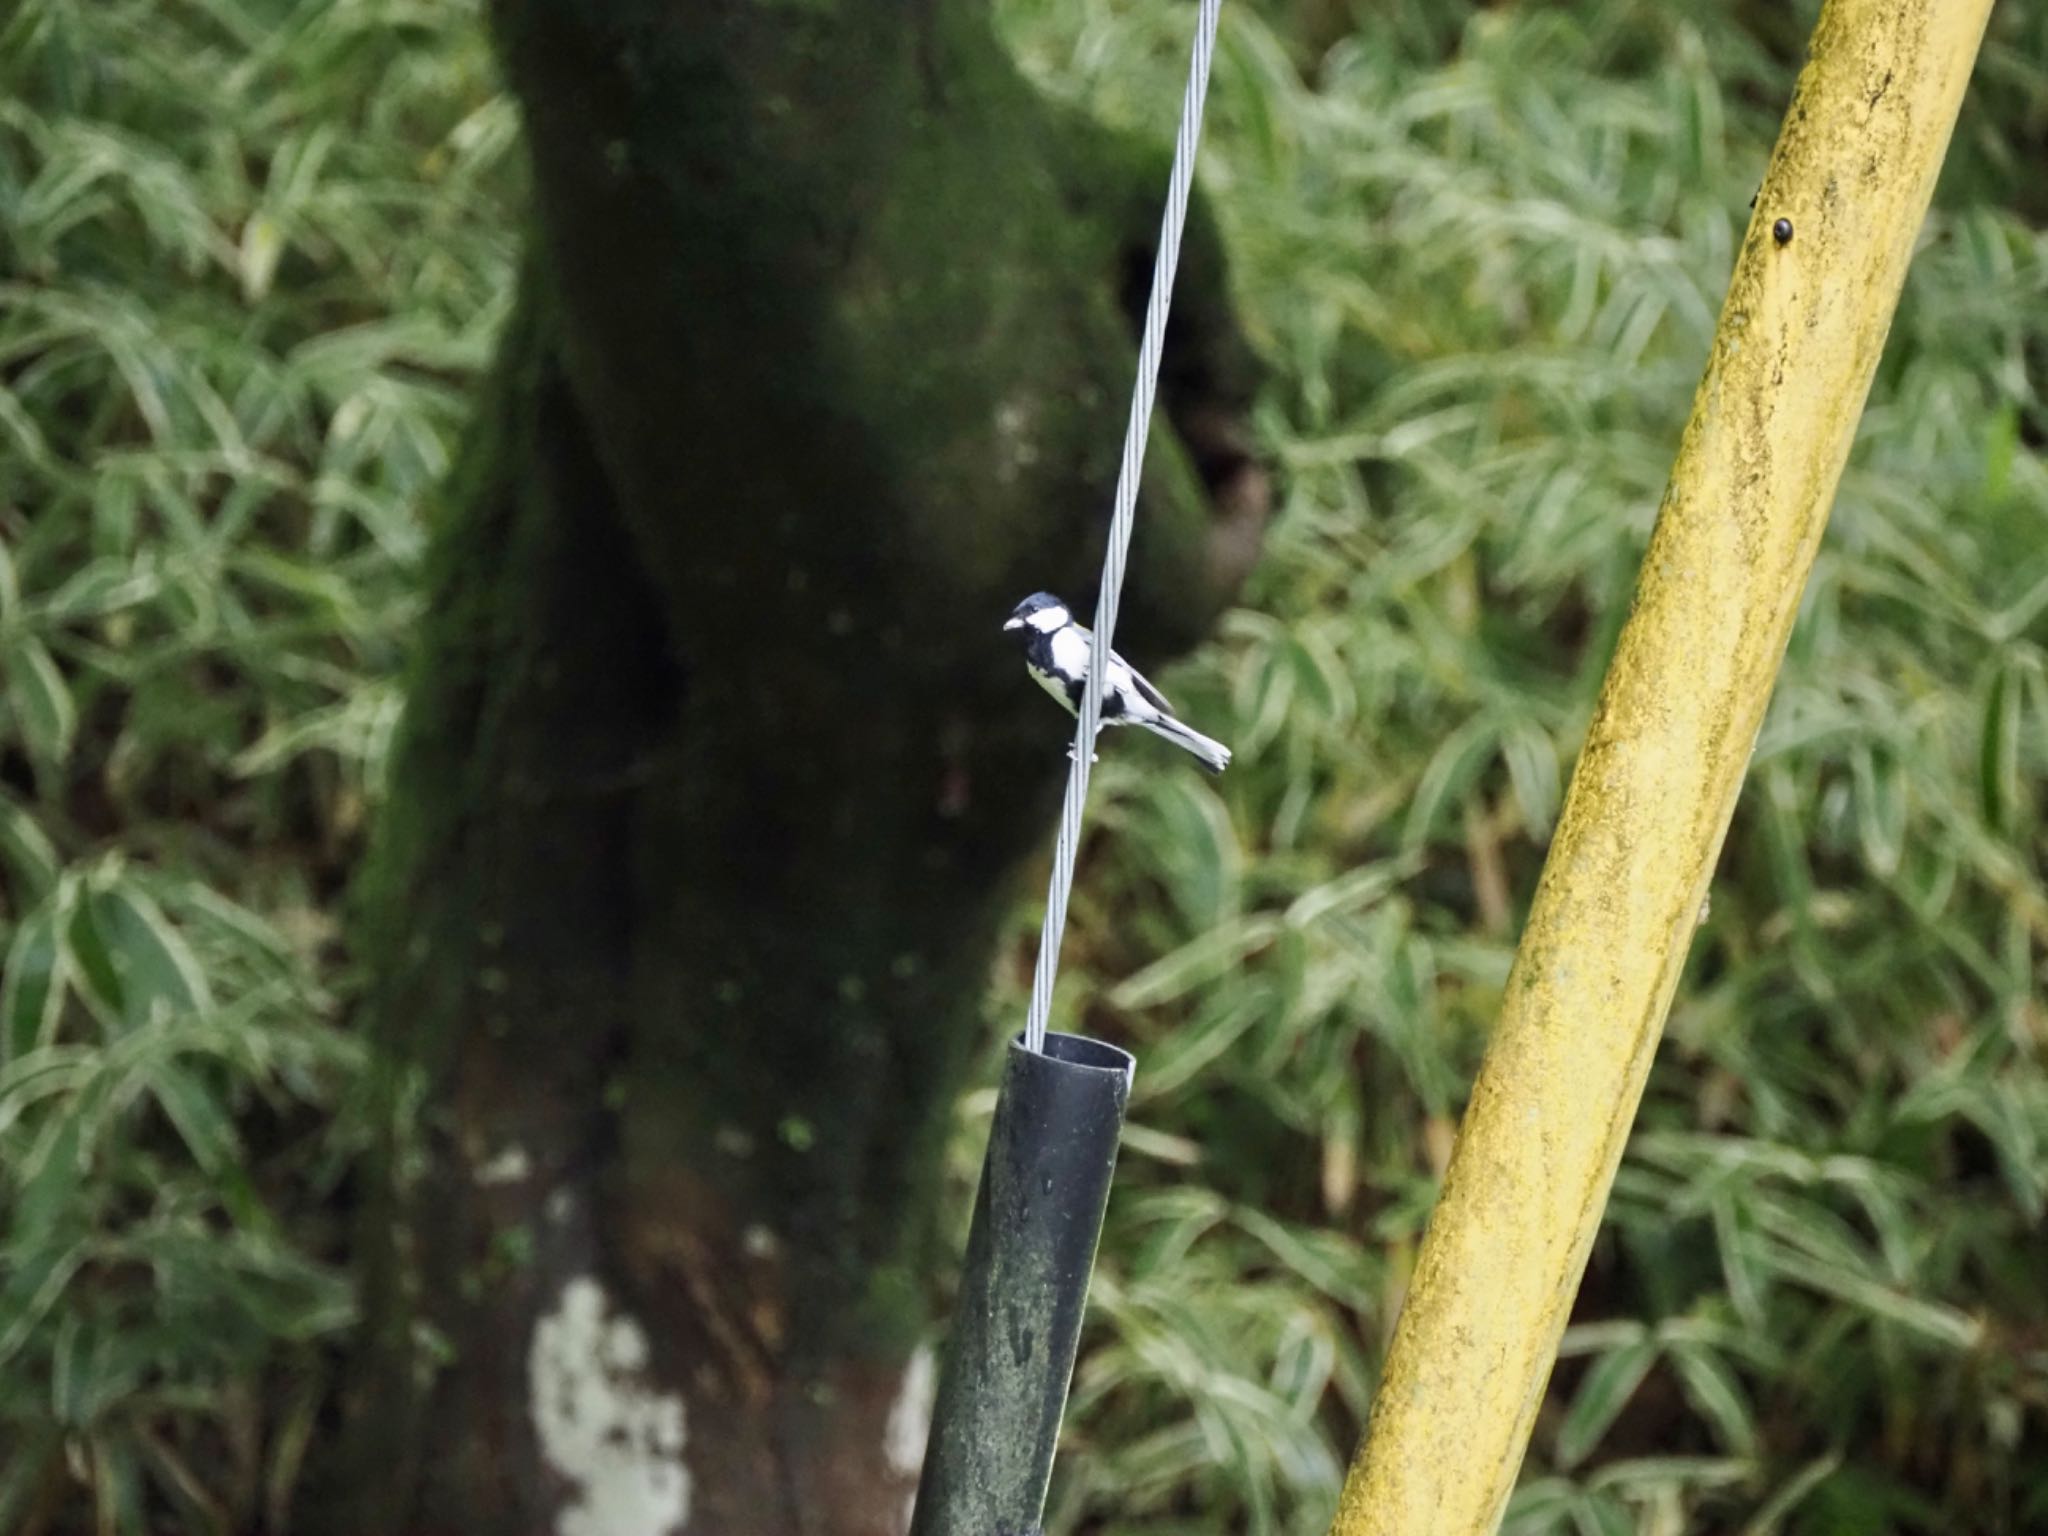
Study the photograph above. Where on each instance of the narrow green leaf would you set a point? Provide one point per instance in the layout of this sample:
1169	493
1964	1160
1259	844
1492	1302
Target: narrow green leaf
1713	1389
262	244
1191	1048
1263	697
1880	808
1636	1475
1931	1320
2011	1126
92	961
1304	1255
178	1476
1601	1338
2001	446
1540	1506
116	513
1459	761
1196	962
156	965
117	1486
42	701
32	991
201	1122
32	1290
290	1442
50	1182
29	855
1357	888
1998	751
1531	759
1185	831
102	587
65	1371
52	1072
1608	1386
1794	1491
1601	1514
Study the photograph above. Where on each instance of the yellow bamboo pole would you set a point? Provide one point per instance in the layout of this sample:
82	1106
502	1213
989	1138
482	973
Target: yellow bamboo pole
1812	297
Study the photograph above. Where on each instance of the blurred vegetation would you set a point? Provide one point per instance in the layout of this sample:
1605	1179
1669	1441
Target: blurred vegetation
255	253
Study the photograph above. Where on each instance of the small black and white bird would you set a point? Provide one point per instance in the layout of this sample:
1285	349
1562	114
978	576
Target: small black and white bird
1057	652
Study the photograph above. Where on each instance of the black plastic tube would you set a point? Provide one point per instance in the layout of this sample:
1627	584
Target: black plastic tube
1023	1288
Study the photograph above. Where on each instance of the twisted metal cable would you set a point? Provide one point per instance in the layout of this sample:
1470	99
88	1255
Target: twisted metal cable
1121	518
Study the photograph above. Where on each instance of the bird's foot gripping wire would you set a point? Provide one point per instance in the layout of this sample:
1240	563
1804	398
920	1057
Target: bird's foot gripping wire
1093	757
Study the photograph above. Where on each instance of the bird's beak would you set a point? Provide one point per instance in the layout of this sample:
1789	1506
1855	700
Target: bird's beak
1012	623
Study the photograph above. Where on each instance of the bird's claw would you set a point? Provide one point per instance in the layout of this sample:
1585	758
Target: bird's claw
1093	757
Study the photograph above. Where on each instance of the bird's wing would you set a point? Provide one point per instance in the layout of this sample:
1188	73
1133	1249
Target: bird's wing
1118	670
1143	684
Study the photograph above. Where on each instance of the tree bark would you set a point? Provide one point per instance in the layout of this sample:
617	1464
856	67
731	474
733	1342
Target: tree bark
716	768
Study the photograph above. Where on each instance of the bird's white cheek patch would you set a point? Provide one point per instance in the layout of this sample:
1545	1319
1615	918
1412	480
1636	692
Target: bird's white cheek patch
601	1425
1070	653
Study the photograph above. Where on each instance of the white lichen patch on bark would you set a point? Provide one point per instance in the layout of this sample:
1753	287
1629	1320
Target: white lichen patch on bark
615	1439
909	1424
508	1167
910	1416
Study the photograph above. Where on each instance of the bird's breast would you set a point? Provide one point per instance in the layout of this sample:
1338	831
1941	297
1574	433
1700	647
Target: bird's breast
1053	685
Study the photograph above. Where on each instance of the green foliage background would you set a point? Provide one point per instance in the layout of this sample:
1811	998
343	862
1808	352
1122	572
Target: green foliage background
255	253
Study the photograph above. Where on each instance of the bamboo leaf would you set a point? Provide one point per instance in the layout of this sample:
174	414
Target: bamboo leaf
1998	756
201	1122
1713	1390
27	852
1461	758
32	991
1610	1383
157	968
42	700
1199	960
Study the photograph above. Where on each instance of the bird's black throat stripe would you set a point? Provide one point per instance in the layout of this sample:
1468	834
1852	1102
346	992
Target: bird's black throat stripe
1038	656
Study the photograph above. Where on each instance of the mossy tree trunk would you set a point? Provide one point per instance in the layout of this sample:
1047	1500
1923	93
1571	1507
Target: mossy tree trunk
716	768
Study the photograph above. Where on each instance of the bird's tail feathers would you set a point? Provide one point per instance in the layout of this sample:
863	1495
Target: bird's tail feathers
1211	754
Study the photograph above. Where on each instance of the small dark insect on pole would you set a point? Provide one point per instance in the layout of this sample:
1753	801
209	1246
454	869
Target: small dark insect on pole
1782	231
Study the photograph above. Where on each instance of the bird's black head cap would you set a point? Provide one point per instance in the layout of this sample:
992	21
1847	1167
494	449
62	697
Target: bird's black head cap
1037	603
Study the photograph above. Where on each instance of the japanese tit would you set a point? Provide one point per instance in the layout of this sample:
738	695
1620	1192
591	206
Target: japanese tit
1057	652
